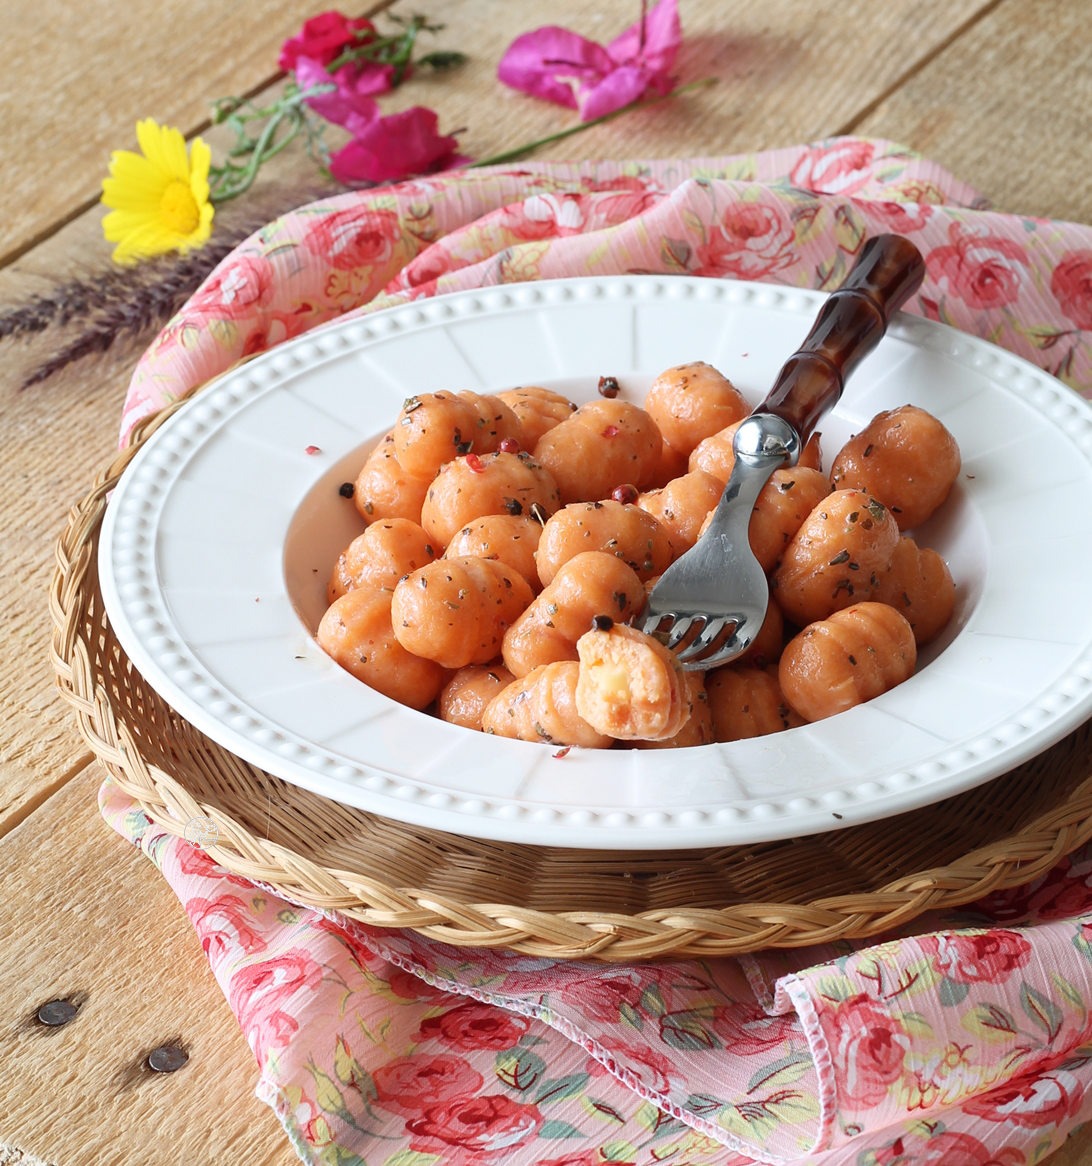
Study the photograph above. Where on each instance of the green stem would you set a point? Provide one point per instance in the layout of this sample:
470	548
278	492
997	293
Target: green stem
523	151
266	146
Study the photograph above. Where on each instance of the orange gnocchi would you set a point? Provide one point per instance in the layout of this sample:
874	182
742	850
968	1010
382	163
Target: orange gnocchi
521	491
542	707
854	656
456	611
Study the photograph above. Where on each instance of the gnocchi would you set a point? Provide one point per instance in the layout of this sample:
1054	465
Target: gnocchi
474	503
856	654
542	707
456	611
617	528
602	445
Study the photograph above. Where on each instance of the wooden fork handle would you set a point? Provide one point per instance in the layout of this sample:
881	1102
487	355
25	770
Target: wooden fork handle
889	269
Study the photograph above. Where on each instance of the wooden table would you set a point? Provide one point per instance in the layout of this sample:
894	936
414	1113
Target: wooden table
996	90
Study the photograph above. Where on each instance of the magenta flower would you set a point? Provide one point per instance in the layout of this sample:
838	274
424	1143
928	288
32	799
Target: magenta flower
350	104
393	147
551	62
323	38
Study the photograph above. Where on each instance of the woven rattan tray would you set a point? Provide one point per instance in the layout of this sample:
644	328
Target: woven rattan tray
570	904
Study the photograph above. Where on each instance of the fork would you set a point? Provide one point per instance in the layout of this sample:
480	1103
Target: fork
709	605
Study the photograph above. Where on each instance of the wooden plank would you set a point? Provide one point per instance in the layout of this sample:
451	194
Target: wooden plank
55	438
147	58
87	913
1076	1151
787	72
57	435
1006	108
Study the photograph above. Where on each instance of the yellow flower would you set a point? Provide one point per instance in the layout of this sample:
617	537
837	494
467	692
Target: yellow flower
159	198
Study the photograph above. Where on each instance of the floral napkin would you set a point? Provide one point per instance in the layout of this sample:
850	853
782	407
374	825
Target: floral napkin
965	1042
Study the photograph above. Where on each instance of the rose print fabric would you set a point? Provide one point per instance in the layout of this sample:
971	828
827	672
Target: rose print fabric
794	216
964	1042
969	1046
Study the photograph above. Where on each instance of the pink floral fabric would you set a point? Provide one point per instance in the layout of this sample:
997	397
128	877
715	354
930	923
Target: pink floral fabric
967	1045
795	216
966	1041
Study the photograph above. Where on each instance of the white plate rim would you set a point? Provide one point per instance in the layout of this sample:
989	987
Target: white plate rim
144	627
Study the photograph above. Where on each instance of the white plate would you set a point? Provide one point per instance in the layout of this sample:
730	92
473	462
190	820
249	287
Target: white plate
220	538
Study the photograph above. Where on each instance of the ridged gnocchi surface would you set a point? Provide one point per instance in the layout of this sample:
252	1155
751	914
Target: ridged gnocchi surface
854	656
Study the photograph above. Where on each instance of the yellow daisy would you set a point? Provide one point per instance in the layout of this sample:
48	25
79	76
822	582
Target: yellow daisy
159	198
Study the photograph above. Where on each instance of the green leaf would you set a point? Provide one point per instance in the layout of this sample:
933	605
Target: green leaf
658	1123
784	1071
443	60
350	1072
559	1129
519	1069
652	1001
327	1094
989	1022
1067	990
630	1015
619	1152
412	1158
831	273
561	1088
951	992
602	1110
1043	336
683	1030
675	252
703	1104
1041	1010
337	1155
916	1024
835	988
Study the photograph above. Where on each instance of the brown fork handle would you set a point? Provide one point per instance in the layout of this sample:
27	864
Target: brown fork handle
851	323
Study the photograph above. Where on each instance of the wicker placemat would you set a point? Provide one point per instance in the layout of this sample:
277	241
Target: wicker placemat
569	904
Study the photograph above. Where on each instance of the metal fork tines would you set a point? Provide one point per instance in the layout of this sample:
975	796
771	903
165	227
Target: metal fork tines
709	605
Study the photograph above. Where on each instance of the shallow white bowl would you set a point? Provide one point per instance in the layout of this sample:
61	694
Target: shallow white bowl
219	541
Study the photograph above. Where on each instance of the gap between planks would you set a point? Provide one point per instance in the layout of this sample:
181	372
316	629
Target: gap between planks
918	66
92	201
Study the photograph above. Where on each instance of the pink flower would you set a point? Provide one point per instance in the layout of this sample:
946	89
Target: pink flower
479	1124
1071	284
901	217
350	105
223	924
653	1069
943	1149
388	148
985	271
323	37
1030	1103
412	1084
600	997
259	991
978	959
841	168
233	291
753	240
407	986
868	1047
539	63
747	1030
192	860
473	1026
353	238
